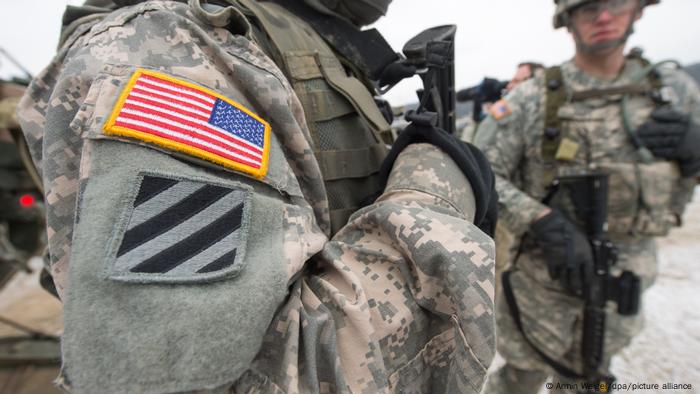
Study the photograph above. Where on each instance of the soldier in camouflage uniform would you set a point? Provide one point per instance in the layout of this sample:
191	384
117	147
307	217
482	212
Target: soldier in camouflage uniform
602	90
191	235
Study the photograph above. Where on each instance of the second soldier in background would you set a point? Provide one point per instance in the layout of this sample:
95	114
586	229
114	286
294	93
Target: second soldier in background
599	113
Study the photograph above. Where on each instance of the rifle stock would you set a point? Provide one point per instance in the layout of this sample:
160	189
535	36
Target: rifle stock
432	53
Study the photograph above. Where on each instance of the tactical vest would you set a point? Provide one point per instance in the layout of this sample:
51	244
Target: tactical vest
345	123
557	96
639	207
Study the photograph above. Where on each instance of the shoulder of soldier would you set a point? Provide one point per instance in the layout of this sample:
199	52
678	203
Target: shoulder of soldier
522	102
679	80
164	35
528	91
179	24
172	17
520	105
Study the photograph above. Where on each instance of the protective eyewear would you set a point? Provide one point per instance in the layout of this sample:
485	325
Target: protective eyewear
590	12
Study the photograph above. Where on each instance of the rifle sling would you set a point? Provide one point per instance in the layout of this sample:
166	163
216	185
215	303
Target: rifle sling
515	313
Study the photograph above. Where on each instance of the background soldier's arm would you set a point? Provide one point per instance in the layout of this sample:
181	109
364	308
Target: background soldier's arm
687	100
504	141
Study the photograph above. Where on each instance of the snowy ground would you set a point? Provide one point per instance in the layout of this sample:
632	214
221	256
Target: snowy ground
668	350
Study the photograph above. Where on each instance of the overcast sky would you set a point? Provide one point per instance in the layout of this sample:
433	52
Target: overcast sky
493	36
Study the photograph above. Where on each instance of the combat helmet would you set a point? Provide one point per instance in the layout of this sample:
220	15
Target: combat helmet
359	12
565	6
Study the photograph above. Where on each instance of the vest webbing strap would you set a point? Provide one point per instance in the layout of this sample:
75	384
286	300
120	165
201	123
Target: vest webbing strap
366	49
556	97
355	163
341	102
288	40
618	90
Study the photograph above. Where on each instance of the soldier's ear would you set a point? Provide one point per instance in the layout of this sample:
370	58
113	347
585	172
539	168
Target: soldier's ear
638	15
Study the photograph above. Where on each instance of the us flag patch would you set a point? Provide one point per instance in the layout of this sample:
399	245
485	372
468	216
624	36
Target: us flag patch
181	231
184	117
500	109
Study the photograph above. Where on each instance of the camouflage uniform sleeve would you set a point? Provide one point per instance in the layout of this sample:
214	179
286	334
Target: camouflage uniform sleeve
686	97
686	91
401	299
505	141
170	262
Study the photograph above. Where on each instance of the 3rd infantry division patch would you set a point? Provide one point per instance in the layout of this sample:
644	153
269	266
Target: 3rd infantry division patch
187	118
181	231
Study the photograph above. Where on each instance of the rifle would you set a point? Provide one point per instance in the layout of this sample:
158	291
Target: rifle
432	53
488	91
584	199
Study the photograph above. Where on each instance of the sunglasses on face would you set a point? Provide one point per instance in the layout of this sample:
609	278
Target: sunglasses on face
589	12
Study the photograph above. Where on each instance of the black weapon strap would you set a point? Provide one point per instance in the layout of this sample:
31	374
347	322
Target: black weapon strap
366	49
515	313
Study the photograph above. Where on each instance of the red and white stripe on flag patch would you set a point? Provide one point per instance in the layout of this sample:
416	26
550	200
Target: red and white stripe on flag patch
184	117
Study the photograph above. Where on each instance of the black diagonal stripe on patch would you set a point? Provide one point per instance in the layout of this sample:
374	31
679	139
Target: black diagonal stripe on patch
171	217
205	237
222	262
150	187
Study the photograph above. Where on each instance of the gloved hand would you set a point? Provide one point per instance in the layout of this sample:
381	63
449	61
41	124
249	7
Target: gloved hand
492	89
396	72
671	135
567	251
468	158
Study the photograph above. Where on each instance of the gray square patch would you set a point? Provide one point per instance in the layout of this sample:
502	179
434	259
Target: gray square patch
180	231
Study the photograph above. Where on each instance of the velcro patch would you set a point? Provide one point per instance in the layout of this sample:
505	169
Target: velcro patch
567	150
184	117
181	231
500	109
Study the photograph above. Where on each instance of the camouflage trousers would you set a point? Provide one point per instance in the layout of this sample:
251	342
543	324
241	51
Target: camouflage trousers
552	320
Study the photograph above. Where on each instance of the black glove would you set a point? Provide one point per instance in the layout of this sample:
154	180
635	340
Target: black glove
468	158
492	89
566	250
489	90
671	135
396	72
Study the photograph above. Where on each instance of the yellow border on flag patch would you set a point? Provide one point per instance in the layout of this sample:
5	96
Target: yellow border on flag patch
500	109
111	129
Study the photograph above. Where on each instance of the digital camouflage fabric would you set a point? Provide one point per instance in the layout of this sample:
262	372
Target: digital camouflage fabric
399	300
645	200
